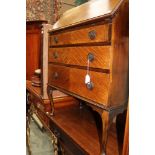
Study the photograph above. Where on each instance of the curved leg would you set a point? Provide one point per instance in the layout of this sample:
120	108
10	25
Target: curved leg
106	118
103	121
105	128
50	95
120	127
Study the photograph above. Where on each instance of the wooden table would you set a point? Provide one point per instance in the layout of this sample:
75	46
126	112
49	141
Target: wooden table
76	131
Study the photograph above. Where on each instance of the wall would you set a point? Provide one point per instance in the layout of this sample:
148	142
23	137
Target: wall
66	5
39	10
43	9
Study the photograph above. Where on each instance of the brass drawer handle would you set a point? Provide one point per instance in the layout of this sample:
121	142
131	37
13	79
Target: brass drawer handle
90	85
56	40
92	34
90	57
55	55
56	133
55	75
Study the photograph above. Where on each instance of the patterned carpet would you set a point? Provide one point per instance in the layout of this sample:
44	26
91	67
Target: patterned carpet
40	141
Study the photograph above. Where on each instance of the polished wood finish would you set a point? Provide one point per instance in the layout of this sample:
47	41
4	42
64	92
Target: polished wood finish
73	56
75	83
126	136
75	128
41	106
60	99
94	9
120	64
109	95
81	35
33	47
117	60
37	51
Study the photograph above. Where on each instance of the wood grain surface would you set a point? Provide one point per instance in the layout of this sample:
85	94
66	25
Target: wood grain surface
81	36
119	90
32	53
89	11
79	127
79	56
73	80
110	92
126	136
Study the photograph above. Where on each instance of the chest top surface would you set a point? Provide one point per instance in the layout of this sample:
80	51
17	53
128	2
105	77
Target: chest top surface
92	10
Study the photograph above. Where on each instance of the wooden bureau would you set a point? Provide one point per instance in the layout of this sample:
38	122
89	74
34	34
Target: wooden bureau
92	39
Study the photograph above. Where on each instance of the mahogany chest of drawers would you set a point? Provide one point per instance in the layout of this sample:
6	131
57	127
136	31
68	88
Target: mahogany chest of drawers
106	40
92	40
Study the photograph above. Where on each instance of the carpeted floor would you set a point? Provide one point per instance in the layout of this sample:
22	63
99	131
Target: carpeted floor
40	141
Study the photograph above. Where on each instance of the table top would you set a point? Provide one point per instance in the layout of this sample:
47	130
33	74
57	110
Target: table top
80	126
92	10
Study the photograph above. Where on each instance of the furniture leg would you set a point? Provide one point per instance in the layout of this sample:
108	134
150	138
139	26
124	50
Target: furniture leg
50	95
120	127
103	121
106	119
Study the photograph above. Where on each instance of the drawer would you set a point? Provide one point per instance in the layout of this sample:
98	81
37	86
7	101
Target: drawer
69	146
42	117
72	80
93	34
79	56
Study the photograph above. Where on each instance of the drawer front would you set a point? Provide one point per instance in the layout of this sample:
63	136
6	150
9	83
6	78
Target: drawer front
93	34
43	118
72	80
79	56
69	146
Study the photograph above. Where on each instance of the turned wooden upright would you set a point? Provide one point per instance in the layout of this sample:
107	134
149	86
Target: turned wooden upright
96	31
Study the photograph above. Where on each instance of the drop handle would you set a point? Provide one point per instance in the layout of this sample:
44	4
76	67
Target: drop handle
90	57
90	85
56	40
55	55
92	34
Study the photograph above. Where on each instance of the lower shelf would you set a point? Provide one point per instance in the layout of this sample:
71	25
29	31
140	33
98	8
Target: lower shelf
76	130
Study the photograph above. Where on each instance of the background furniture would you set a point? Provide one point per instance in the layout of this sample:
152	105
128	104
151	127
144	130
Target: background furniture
38	105
94	44
33	62
126	136
33	47
37	51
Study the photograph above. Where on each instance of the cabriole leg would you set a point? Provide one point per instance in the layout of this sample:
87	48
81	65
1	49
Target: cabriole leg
50	96
103	121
